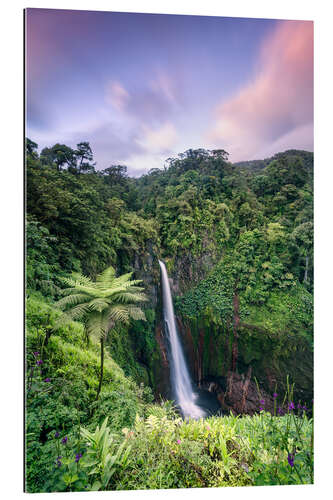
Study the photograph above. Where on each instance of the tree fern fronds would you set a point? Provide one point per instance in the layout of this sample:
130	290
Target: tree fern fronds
78	279
85	285
106	276
111	292
83	280
97	325
68	291
124	278
79	311
126	284
136	313
99	304
72	300
134	288
94	292
118	313
127	297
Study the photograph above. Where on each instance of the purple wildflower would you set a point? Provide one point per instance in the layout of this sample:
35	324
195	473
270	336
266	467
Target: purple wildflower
280	412
178	441
262	401
261	408
275	395
291	458
77	457
47	379
64	440
299	406
304	408
291	406
56	434
58	462
36	353
39	362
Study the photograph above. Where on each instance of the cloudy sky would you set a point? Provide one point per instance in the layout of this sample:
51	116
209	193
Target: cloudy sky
143	87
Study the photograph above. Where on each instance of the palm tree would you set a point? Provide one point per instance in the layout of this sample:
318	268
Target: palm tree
101	304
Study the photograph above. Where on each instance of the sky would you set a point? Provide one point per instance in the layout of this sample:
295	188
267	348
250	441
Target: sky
141	88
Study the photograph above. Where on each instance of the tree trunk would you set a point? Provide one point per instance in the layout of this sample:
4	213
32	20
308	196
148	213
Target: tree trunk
235	331
102	368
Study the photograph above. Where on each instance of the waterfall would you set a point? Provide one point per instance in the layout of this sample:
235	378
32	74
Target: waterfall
181	383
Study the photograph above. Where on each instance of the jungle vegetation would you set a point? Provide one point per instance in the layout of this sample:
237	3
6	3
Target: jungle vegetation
237	240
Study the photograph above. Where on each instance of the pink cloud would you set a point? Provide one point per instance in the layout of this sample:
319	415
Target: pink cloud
116	95
158	140
277	102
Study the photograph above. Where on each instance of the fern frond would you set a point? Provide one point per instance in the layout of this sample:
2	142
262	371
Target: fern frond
124	278
97	325
78	287
125	283
79	311
99	304
136	313
68	291
106	277
92	291
72	300
78	279
118	313
110	292
134	288
127	297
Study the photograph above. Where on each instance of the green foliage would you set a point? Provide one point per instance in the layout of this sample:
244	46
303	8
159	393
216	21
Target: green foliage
104	457
43	268
166	452
230	234
93	230
62	378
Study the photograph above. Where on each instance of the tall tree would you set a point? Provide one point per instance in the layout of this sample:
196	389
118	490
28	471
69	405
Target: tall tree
59	154
84	156
31	147
101	304
115	174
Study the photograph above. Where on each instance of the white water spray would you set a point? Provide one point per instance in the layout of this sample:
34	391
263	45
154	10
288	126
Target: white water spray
180	377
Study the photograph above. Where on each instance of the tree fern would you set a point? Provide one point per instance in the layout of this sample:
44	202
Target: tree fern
102	304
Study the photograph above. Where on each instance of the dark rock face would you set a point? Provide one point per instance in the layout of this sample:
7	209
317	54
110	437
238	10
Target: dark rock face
147	269
161	366
238	394
187	271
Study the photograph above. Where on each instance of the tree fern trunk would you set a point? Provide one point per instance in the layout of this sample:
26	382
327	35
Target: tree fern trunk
102	369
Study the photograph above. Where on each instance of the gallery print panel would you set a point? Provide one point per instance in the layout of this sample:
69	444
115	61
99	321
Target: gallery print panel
169	251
